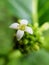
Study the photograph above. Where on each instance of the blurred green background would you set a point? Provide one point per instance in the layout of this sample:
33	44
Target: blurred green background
21	9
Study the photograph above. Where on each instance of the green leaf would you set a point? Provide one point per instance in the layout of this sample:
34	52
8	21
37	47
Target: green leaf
5	31
44	6
2	61
43	11
20	8
40	57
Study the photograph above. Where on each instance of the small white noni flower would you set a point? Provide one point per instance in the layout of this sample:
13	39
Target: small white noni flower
22	27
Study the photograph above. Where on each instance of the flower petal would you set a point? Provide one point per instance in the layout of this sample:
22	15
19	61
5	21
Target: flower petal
29	30
14	26
19	34
24	21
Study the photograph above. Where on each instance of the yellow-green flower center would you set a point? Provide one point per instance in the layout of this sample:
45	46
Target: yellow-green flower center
22	27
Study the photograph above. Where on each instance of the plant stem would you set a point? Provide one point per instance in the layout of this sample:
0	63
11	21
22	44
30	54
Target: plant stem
35	12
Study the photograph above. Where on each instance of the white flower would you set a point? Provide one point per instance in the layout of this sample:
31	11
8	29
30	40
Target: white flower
22	27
